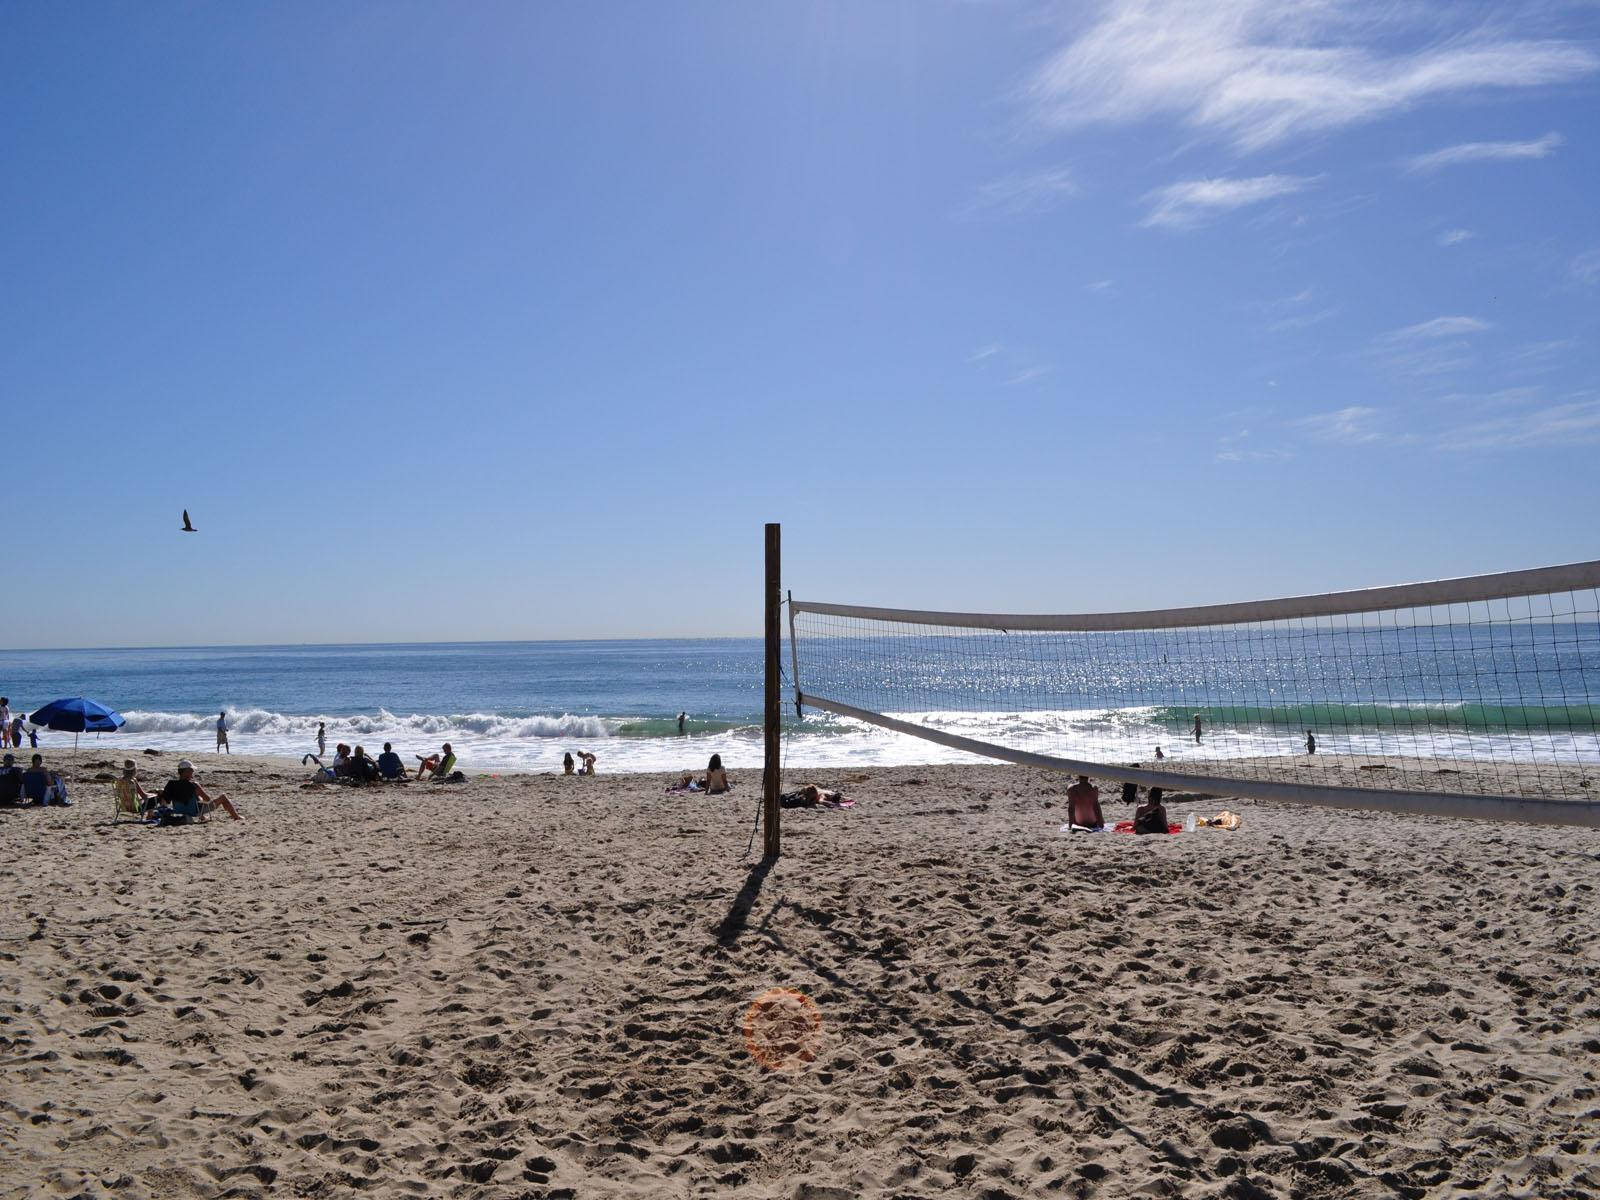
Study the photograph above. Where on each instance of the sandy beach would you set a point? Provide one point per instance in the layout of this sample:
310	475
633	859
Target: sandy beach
536	986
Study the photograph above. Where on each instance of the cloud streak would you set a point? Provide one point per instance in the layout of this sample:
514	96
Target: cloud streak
1476	152
1260	73
1195	201
1575	423
1352	426
1439	327
1020	195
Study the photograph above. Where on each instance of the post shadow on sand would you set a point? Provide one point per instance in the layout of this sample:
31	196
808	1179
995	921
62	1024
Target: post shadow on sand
733	924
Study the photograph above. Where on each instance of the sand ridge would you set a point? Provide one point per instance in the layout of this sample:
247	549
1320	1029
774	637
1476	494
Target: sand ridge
537	986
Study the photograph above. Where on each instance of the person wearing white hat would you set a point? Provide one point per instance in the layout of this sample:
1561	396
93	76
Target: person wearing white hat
189	800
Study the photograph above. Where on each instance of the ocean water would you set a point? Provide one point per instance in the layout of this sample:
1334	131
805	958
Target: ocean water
522	705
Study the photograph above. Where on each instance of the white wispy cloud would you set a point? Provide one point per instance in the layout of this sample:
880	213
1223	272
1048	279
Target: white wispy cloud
1303	320
1586	267
1435	347
1017	195
1193	201
1439	327
1232	448
1471	152
1007	364
1352	426
1573	423
1298	311
1099	285
1263	72
1028	374
1454	237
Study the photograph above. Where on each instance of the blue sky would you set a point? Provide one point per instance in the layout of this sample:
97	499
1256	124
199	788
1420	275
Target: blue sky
518	320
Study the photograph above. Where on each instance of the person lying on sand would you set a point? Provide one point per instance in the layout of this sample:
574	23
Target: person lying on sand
1083	805
811	796
189	800
438	765
1151	816
716	780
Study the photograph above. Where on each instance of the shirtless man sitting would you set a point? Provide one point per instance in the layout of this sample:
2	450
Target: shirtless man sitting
1083	805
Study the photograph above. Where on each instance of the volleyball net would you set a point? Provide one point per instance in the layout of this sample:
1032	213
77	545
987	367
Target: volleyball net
1465	697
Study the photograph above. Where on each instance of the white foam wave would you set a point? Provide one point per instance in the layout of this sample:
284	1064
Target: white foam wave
491	741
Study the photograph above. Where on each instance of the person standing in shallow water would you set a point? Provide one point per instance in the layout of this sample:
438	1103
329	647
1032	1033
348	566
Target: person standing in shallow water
222	733
1311	742
322	739
682	717
1197	729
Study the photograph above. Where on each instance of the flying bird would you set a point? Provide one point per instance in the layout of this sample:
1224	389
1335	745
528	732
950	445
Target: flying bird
188	528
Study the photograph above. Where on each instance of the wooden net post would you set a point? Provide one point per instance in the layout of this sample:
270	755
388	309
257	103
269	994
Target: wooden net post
769	774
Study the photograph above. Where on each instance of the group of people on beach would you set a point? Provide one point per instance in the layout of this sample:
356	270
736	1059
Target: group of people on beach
1083	807
355	765
181	801
12	728
36	784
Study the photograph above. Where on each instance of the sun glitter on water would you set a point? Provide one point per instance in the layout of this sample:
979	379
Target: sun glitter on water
783	1029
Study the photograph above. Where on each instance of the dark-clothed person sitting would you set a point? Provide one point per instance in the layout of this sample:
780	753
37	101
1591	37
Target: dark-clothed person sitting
389	764
42	786
188	799
1151	816
10	781
362	768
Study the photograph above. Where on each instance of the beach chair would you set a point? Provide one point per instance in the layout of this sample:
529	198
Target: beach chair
127	802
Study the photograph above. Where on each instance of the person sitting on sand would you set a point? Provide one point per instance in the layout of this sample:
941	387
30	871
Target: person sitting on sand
1130	793
10	780
1083	805
716	780
1151	816
362	768
43	786
588	763
341	761
189	800
389	765
567	763
438	765
130	773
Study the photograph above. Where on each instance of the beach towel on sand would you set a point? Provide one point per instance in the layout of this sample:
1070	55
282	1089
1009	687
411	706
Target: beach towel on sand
1127	827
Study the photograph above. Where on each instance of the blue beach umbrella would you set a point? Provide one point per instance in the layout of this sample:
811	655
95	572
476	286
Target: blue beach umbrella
77	715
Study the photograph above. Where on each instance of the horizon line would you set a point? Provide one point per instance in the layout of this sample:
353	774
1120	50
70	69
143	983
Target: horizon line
725	637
